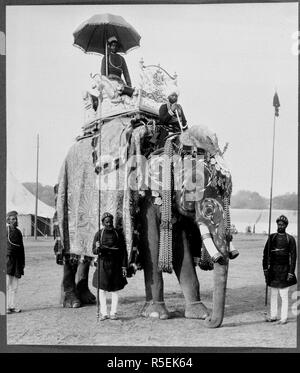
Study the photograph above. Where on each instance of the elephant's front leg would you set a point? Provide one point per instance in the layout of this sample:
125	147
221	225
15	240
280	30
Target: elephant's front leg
188	280
154	285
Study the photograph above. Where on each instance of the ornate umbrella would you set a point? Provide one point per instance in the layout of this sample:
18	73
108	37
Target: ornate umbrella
92	35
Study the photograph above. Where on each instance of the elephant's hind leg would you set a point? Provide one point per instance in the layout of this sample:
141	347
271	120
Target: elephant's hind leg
83	291
70	299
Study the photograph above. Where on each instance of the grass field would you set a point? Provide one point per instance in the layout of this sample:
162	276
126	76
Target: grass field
44	321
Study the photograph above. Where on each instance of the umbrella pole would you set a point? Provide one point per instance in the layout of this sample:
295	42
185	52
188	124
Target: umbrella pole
98	284
99	224
106	58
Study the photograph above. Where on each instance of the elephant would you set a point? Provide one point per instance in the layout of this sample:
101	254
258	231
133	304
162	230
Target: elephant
197	214
179	215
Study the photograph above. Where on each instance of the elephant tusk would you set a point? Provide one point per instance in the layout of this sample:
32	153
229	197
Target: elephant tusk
208	243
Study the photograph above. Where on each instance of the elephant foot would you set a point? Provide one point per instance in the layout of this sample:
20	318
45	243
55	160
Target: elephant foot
143	310
86	296
71	300
155	310
233	254
196	310
84	293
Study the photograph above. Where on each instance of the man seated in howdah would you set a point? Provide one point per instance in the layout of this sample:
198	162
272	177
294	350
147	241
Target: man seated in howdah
116	66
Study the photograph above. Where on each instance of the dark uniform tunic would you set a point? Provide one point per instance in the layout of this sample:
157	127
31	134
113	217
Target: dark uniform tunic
169	122
15	258
281	260
116	67
113	256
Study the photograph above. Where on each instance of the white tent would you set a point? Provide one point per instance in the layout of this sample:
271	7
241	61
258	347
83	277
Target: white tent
20	199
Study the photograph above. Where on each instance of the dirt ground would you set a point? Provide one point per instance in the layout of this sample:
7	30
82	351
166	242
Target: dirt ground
44	321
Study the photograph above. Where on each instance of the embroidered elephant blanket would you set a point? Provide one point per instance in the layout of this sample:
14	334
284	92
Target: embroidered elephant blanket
93	180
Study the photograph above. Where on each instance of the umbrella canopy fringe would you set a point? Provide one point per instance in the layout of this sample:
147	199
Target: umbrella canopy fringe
101	54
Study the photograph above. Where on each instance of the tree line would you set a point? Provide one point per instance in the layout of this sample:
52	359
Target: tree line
243	199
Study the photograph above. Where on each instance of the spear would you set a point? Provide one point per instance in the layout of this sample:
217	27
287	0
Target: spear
276	105
36	189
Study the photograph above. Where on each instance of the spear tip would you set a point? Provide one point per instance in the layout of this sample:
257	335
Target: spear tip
276	102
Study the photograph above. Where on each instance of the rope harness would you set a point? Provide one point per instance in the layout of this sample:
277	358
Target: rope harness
165	243
227	221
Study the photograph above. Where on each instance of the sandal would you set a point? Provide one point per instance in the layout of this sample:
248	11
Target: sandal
271	319
103	317
282	322
15	310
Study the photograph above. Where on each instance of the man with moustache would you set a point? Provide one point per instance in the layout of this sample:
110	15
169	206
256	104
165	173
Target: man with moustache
279	262
171	117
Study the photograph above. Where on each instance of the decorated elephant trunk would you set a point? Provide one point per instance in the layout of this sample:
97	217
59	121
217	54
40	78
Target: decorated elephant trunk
219	296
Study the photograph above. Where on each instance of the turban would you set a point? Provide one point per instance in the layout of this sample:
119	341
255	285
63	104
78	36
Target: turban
112	39
106	215
284	219
11	213
171	90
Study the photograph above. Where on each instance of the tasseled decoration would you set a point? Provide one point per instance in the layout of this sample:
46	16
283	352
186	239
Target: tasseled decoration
233	252
165	244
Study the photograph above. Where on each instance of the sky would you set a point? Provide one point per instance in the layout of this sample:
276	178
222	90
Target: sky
229	58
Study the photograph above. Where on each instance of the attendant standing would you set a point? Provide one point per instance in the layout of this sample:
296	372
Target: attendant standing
279	262
110	275
15	260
